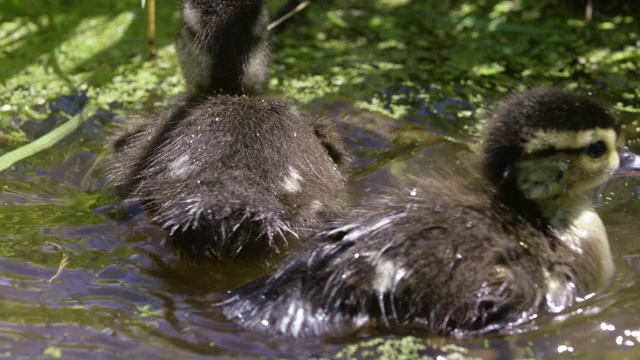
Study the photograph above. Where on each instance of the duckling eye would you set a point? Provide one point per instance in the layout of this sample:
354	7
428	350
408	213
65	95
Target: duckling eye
596	149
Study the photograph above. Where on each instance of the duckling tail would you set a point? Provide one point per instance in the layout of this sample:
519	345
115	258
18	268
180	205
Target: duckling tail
208	227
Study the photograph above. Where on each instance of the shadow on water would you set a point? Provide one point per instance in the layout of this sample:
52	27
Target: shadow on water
120	294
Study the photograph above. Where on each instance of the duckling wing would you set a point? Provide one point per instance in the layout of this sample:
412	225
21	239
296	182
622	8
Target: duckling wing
447	268
284	303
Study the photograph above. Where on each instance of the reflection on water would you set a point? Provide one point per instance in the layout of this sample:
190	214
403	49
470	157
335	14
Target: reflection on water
123	295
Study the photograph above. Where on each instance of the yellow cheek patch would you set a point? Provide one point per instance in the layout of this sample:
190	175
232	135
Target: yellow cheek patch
539	179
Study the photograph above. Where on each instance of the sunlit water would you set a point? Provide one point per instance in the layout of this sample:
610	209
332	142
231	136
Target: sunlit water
120	294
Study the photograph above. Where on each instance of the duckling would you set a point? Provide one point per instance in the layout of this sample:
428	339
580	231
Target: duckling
230	175
451	259
223	48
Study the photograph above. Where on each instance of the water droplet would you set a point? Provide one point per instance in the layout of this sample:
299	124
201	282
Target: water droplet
413	192
564	348
607	327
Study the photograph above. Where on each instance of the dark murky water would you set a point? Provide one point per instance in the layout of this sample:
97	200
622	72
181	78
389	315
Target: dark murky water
122	295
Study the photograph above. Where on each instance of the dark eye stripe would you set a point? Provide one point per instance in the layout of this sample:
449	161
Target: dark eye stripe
553	151
594	150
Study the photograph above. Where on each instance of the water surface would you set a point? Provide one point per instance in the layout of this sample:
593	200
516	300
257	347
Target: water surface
121	294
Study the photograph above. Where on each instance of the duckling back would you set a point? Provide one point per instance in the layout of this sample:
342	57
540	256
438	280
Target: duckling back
445	261
232	174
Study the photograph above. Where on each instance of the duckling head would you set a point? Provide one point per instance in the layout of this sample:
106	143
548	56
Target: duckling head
223	46
544	148
548	146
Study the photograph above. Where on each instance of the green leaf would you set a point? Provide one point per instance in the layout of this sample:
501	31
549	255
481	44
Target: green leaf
46	141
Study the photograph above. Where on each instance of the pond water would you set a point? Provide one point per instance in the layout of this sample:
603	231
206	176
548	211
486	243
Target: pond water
77	283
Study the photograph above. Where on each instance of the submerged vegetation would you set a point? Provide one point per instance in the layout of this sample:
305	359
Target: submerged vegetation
387	55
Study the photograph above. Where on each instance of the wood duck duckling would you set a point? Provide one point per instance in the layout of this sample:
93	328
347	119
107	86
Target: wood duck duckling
226	174
451	260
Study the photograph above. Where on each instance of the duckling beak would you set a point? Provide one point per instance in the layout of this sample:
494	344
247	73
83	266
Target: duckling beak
629	164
